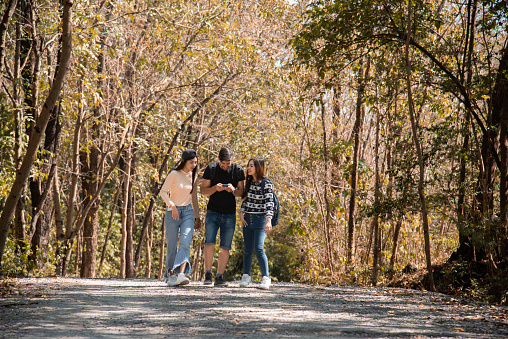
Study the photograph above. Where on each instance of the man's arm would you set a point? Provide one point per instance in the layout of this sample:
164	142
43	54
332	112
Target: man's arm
206	190
239	189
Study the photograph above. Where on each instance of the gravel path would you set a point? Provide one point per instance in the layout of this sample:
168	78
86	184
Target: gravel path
114	308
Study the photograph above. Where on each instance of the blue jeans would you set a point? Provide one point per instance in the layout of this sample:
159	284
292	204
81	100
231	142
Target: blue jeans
254	240
185	227
225	222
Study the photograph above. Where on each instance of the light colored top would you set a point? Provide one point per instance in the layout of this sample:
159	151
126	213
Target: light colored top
176	190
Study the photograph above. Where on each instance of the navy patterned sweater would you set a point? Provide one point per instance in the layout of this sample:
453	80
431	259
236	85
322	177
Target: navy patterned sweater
258	203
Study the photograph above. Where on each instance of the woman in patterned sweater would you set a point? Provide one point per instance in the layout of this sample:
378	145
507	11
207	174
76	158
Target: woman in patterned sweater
256	215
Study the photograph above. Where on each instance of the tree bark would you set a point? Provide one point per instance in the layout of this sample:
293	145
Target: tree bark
19	214
149	244
131	265
42	218
74	166
162	254
421	191
9	11
327	217
110	225
376	203
396	233
354	170
500	104
124	211
90	169
40	127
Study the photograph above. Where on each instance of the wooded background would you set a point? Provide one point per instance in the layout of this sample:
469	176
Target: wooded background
383	124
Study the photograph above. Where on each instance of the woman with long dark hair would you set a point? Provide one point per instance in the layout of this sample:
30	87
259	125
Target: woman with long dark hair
256	215
179	192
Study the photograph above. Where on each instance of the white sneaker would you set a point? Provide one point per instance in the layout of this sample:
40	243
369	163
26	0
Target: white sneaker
172	280
245	280
265	283
182	279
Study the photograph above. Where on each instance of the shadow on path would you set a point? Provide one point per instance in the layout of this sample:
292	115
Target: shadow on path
109	308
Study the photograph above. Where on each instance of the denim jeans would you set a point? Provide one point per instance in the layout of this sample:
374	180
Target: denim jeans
254	240
178	251
225	222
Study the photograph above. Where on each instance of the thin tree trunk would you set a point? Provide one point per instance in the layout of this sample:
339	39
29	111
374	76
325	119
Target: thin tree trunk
376	203
500	104
110	225
60	235
91	164
369	243
162	254
9	11
149	244
74	166
41	220
327	216
197	256
395	242
130	270
356	151
79	250
124	211
57	205
421	191
19	214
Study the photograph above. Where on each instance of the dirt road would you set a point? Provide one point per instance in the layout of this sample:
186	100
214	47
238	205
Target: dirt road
114	308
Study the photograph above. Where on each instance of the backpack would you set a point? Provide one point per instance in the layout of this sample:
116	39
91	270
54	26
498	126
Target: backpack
276	206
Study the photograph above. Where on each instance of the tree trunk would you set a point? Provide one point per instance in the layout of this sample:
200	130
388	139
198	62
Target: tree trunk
376	203
110	225
40	126
58	211
131	266
500	104
125	166
198	245
161	250
395	242
354	170
19	214
91	169
4	24
149	244
327	217
416	141
42	217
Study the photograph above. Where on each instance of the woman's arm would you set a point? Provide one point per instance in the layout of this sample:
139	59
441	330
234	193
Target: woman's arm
165	190
195	205
269	205
269	200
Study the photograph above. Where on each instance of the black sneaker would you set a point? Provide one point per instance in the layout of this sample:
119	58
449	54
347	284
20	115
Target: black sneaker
219	280
208	278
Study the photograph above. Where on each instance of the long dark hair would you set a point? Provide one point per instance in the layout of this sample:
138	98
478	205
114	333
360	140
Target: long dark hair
259	165
181	165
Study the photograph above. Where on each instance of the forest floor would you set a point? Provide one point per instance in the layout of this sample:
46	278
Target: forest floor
113	308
